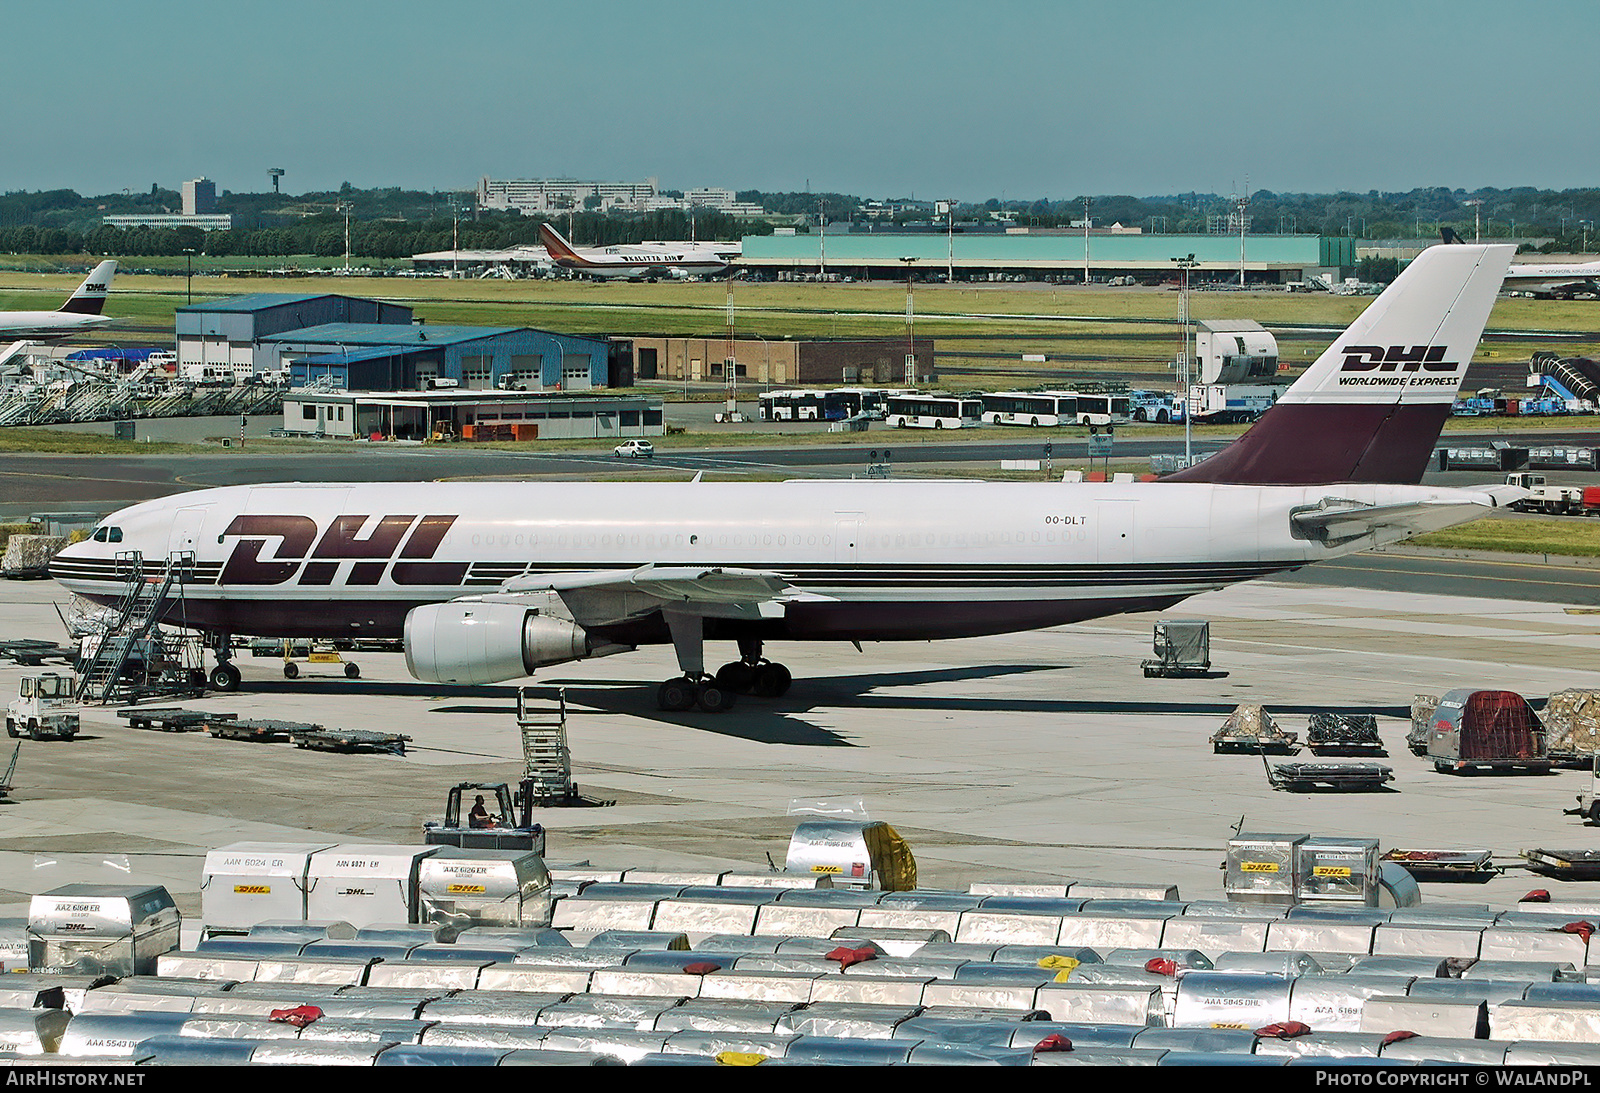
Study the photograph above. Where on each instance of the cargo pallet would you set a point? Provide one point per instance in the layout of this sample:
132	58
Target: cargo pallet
1564	864
263	731
317	738
1255	745
1340	777
171	718
32	652
1463	866
1492	766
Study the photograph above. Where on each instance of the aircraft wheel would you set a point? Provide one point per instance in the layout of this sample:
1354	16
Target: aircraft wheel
352	671
714	699
736	677
290	670
772	681
676	694
225	677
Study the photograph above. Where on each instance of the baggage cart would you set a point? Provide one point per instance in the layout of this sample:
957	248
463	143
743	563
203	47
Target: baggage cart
1564	864
1337	777
1464	866
1182	649
256	730
318	738
1486	731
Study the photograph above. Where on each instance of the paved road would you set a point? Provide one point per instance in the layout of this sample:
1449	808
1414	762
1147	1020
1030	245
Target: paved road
1522	578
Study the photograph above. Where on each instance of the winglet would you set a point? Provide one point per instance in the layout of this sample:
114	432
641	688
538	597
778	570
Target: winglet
90	298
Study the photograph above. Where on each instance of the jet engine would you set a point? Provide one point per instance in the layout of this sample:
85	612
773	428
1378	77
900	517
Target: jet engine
486	641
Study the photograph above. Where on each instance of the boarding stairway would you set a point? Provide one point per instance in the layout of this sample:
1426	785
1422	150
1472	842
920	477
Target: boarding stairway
546	759
144	596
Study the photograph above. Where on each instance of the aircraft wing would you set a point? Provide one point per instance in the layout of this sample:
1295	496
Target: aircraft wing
605	596
1337	520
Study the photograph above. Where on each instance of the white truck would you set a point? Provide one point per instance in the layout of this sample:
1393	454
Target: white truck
1553	500
45	706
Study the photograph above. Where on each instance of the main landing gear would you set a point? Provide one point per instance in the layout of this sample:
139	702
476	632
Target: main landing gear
224	677
750	674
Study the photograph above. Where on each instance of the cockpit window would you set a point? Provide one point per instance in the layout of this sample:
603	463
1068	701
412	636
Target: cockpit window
115	536
99	535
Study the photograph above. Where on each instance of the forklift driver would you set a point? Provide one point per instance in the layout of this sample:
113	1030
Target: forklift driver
479	816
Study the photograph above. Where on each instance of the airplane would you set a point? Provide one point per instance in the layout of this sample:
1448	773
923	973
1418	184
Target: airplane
81	312
487	582
636	262
1548	280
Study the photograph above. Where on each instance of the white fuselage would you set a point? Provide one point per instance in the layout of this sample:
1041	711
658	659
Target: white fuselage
47	324
871	560
1553	277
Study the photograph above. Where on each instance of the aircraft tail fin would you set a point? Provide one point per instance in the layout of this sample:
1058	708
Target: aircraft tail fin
1370	409
90	297
1448	235
558	247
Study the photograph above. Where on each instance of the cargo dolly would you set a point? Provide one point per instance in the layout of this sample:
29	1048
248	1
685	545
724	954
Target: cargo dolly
171	718
1564	864
1460	866
1335	734
318	738
32	652
1339	777
256	730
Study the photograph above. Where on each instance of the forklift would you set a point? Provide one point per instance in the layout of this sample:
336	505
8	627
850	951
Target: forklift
503	823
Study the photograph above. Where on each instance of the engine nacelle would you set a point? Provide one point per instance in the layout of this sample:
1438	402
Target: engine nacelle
483	641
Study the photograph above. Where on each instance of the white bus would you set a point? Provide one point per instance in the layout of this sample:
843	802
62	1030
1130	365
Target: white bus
1099	408
1040	409
916	411
833	404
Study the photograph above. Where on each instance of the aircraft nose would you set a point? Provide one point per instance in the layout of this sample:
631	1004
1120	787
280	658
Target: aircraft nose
70	553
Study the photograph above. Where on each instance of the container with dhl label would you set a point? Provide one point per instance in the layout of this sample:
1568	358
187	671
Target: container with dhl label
853	853
247	883
101	929
1263	868
466	888
1340	870
364	884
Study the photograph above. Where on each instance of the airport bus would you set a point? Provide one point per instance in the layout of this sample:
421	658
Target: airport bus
1099	408
834	404
1040	409
918	411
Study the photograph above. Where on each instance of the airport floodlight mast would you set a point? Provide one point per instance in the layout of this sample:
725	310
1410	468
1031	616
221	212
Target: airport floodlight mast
1242	203
344	207
1477	222
1184	375
911	320
188	292
275	173
1086	240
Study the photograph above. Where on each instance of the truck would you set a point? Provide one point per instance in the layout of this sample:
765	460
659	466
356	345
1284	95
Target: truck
1553	500
45	706
1160	407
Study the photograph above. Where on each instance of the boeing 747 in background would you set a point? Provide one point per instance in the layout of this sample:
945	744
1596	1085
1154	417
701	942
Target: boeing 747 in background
81	312
635	262
491	581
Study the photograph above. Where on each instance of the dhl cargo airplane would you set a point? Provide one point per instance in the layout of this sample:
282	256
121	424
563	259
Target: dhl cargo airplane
489	581
687	260
81	311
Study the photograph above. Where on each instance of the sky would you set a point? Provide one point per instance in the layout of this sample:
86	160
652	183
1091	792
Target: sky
932	98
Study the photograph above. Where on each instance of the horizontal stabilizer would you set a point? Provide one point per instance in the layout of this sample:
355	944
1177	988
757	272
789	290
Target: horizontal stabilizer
1335	520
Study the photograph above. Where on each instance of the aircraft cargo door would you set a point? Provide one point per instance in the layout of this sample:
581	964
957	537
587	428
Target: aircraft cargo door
1116	532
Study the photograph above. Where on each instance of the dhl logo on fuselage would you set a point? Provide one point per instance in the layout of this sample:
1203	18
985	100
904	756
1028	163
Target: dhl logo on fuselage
399	545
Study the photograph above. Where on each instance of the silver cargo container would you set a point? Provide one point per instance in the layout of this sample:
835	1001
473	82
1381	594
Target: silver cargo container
365	884
1339	870
253	882
32	1031
101	929
1264	868
1432	1017
852	853
1334	1003
1206	999
467	888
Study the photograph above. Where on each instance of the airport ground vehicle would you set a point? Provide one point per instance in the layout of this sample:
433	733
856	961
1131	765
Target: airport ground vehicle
45	706
1036	409
829	404
634	449
1554	500
922	411
1156	407
503	823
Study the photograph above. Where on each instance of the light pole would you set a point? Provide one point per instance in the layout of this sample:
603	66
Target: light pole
1184	377
1086	240
344	207
188	256
1477	218
911	319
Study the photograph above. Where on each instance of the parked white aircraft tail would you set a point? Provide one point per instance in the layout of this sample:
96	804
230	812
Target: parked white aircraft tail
81	311
491	581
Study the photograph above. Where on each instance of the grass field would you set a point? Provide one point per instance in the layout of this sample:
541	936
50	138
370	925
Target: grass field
980	332
1520	535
